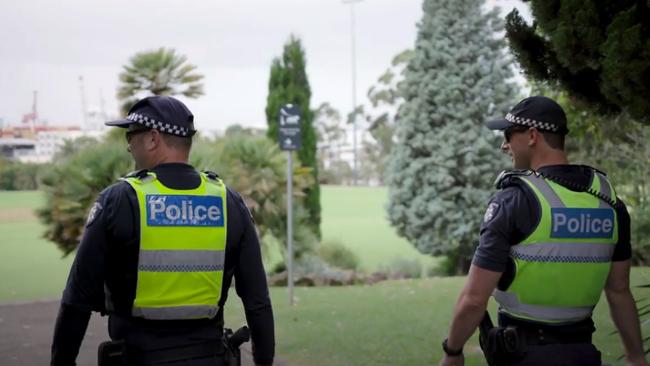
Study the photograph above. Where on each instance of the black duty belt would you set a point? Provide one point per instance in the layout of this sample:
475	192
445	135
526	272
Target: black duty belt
180	353
540	334
540	337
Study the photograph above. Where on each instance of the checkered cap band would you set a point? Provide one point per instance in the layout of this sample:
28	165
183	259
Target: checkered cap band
164	127
532	123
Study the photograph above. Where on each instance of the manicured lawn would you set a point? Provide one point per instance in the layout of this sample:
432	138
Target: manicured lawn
32	268
357	218
24	199
391	323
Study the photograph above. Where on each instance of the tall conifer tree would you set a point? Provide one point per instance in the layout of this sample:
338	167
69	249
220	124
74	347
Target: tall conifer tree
442	167
288	84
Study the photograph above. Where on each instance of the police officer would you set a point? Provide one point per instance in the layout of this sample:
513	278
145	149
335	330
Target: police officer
159	252
553	237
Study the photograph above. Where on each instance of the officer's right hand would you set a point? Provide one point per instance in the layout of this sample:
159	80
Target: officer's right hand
452	361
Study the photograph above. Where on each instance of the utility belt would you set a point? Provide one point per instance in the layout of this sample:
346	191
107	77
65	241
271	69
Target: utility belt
118	353
508	343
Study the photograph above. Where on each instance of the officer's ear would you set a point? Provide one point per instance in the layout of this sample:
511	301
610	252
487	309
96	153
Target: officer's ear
533	136
152	141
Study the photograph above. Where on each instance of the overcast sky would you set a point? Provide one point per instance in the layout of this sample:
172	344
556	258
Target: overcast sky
47	45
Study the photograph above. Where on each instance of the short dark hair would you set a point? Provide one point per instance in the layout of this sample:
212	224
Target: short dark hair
554	140
179	142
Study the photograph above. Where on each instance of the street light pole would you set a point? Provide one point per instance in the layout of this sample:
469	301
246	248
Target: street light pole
354	87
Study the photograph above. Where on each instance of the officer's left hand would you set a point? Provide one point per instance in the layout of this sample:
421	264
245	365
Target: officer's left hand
452	361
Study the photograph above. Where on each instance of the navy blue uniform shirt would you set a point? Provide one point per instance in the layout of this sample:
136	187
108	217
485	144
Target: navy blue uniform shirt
106	263
513	213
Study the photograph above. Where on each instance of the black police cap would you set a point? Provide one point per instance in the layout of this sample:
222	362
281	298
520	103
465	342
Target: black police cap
165	114
537	111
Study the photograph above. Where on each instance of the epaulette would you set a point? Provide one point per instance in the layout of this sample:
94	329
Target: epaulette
141	174
212	175
505	178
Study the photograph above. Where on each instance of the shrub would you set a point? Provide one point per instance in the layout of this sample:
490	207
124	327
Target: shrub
338	255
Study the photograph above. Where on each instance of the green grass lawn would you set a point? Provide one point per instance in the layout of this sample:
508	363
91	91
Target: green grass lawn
20	199
390	323
357	218
32	268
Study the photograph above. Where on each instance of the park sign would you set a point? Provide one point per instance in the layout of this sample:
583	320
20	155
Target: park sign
289	131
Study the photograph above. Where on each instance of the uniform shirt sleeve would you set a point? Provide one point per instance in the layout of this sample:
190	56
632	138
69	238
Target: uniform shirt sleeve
84	289
85	286
623	249
251	286
509	218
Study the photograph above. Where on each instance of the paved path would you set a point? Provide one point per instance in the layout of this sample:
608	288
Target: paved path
26	335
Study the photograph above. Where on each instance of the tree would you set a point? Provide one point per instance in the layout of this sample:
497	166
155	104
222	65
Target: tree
331	136
441	168
158	72
252	165
618	146
598	51
385	100
288	84
73	185
256	168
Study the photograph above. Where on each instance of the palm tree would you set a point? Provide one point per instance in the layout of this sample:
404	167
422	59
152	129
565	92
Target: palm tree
72	186
158	72
256	168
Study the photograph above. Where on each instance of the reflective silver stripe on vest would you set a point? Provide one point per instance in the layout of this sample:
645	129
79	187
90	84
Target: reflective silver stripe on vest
181	260
177	312
563	252
604	189
546	190
510	303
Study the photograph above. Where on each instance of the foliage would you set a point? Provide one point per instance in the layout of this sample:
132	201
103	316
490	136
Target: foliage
598	51
74	184
403	268
618	146
256	168
441	169
158	72
332	137
71	147
338	255
288	84
385	100
17	176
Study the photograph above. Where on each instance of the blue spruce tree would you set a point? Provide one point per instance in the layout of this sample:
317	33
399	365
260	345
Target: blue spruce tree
442	167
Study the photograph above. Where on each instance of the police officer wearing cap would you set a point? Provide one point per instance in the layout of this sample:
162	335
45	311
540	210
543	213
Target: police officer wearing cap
554	236
159	252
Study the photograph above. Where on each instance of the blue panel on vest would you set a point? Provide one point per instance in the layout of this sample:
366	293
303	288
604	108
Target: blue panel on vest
582	223
184	210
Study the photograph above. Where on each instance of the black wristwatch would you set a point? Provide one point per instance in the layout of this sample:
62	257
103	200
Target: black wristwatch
449	351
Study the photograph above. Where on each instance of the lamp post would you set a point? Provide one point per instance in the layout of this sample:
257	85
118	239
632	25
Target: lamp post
354	87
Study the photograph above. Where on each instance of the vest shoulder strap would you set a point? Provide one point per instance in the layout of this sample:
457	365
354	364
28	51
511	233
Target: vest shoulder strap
507	178
211	175
140	174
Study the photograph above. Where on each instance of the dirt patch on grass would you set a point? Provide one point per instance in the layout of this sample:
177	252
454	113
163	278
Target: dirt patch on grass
17	215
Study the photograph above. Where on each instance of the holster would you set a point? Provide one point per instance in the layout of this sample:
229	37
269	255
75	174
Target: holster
231	342
500	344
112	353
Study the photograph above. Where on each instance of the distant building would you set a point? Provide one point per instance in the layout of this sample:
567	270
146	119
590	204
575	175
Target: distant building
14	148
39	144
